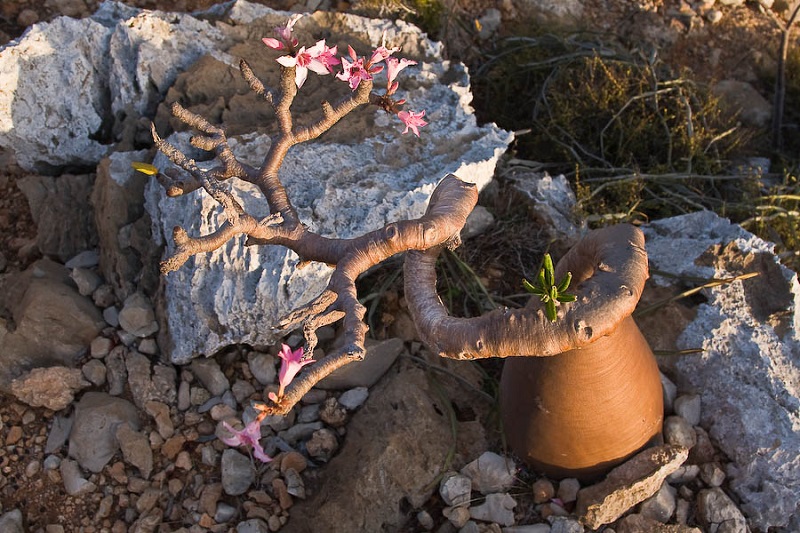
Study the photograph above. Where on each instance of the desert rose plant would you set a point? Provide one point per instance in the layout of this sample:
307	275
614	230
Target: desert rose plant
608	270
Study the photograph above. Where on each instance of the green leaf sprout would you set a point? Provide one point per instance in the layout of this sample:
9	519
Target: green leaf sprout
547	290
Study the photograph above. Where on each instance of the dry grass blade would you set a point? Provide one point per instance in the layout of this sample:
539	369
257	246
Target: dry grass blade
707	285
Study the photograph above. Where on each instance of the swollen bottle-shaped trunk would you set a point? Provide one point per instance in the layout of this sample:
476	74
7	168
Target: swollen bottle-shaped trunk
582	412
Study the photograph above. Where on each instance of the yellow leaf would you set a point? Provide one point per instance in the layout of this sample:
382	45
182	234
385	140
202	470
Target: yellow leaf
145	168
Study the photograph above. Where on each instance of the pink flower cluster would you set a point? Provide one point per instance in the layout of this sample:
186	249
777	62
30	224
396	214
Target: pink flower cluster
321	59
291	363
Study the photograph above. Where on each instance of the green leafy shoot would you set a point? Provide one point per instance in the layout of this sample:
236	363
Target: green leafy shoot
547	289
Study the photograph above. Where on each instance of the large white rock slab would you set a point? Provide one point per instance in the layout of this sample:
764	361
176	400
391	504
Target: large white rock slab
53	94
360	176
748	375
72	88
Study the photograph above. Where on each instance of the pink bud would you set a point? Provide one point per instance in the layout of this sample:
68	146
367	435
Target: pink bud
275	44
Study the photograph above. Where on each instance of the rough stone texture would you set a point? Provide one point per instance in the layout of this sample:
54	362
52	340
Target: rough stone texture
637	523
628	484
11	522
237	472
455	489
743	100
231	294
146	52
92	440
498	508
210	375
491	473
137	316
716	511
136	449
123	60
52	323
384	460
62	214
552	205
379	357
35	70
150	381
123	227
53	388
748	375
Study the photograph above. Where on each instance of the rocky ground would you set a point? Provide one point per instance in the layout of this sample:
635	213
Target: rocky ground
144	453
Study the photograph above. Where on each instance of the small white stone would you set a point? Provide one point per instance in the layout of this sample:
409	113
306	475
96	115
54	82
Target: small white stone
262	366
148	346
679	432
458	516
86	280
714	16
455	489
111	316
670	391
353	398
498	508
137	316
688	406
491	473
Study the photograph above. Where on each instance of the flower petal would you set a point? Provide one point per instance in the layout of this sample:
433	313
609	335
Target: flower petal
287	61
275	44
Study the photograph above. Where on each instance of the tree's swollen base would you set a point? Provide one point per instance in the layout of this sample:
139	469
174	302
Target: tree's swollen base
580	413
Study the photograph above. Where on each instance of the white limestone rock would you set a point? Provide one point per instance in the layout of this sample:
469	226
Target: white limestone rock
748	375
357	178
71	87
54	94
148	50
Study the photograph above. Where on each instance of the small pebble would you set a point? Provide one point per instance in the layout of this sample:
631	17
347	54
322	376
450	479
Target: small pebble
27	17
712	474
679	432
32	469
568	490
103	296
353	398
688	406
224	513
543	490
100	347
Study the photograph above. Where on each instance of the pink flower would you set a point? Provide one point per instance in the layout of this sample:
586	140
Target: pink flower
275	44
381	53
292	362
394	66
249	436
324	57
412	120
353	72
319	58
285	33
